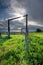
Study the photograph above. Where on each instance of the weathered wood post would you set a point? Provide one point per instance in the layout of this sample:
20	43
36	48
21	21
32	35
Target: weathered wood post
8	28
0	34
26	34
26	39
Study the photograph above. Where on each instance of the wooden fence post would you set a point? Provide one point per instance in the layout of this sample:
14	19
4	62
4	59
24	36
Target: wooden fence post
26	39
8	28
0	34
26	34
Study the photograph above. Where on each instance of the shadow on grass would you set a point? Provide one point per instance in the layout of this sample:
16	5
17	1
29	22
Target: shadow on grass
3	39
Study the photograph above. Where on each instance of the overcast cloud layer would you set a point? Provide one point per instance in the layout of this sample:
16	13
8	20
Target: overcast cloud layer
13	8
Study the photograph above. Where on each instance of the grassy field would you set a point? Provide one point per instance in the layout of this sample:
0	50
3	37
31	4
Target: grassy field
13	50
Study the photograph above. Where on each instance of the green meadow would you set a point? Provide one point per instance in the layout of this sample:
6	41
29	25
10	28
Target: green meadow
13	51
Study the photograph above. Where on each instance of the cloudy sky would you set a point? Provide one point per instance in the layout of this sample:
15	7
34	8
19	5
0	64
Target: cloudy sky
13	8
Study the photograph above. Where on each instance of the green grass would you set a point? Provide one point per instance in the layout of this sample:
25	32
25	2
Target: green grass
13	50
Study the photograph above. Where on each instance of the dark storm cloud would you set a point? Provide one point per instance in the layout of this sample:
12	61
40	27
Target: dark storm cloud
34	8
4	5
